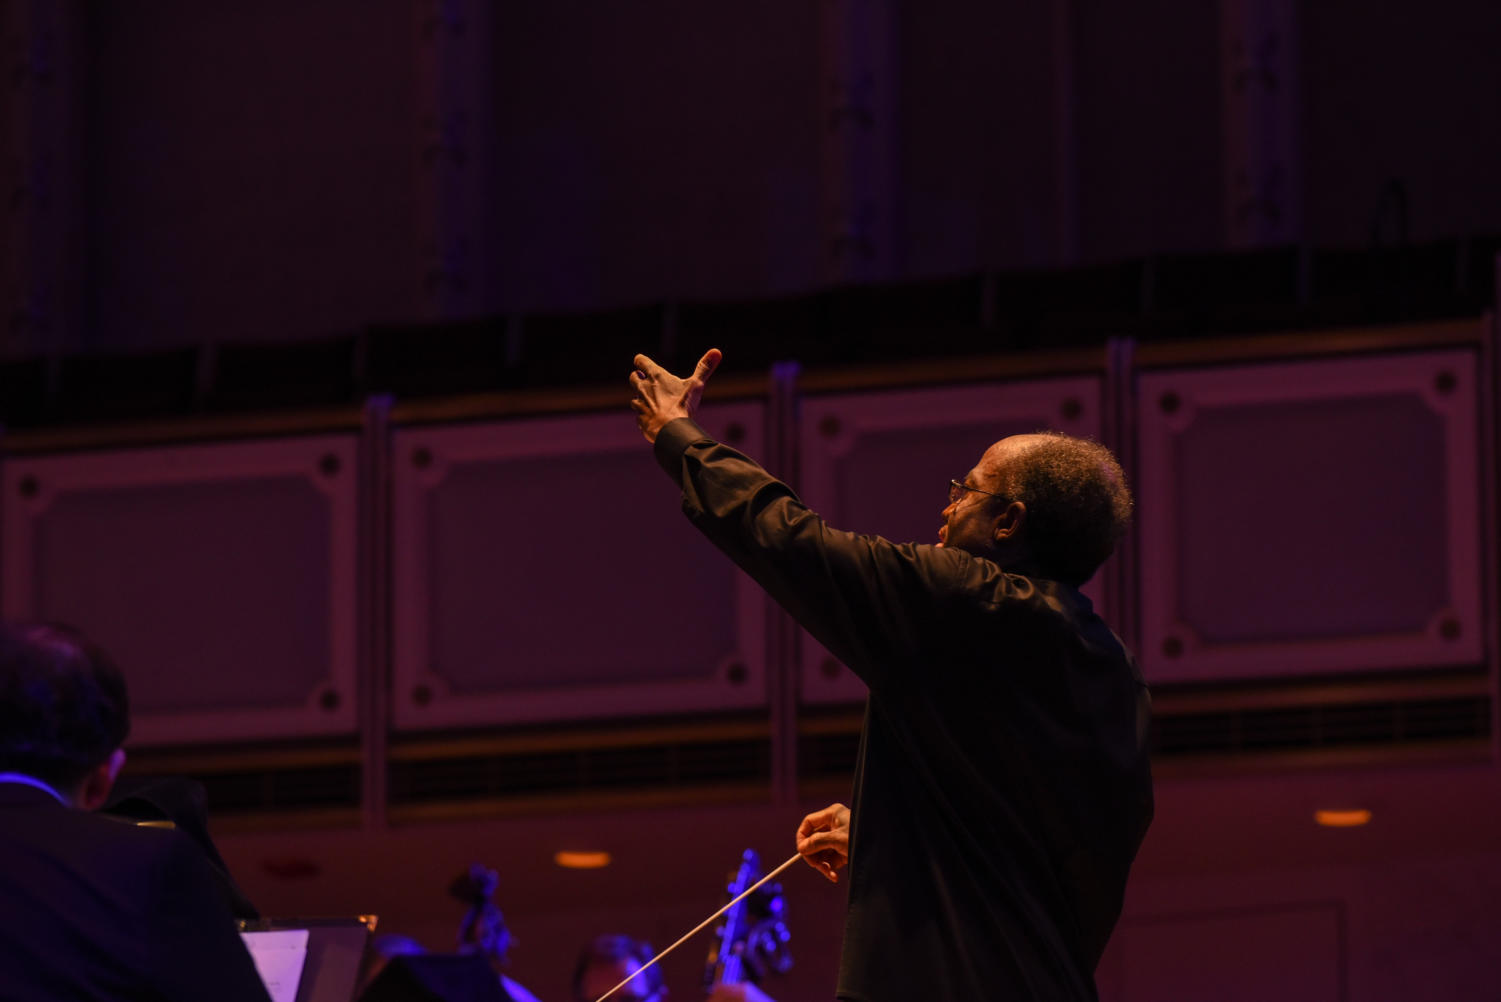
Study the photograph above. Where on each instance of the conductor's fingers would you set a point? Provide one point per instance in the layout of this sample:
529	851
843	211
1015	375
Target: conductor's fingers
820	820
707	364
824	866
835	841
646	365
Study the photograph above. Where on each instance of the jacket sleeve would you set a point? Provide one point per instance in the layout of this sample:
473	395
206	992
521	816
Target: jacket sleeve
197	952
873	603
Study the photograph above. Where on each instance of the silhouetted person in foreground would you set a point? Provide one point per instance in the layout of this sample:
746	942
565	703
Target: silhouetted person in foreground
93	907
606	961
1002	787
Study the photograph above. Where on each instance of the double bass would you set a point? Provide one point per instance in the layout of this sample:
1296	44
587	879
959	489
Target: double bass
752	938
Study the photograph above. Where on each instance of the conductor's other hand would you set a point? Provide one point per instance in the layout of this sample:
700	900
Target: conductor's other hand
823	840
661	397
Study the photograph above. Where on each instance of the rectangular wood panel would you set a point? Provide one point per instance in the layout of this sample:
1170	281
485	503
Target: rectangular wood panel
221	577
544	571
1310	517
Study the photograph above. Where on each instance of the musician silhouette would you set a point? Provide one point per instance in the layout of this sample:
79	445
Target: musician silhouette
84	915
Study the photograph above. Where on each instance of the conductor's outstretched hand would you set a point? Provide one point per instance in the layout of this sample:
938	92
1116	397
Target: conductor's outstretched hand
662	397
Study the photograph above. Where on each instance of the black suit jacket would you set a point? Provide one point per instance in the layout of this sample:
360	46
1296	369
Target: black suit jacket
93	908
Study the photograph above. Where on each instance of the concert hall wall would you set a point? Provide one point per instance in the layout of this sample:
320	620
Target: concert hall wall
317	319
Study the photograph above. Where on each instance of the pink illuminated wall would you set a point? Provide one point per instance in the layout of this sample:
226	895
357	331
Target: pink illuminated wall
218	173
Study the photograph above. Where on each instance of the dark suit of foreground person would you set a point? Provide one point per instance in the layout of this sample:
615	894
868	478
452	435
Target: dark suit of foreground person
1001	789
93	908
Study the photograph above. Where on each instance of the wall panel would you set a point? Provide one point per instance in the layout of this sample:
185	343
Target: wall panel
1310	517
544	571
221	578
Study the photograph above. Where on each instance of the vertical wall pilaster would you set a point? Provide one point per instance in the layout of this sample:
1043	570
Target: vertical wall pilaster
1263	190
41	177
1066	133
859	116
455	157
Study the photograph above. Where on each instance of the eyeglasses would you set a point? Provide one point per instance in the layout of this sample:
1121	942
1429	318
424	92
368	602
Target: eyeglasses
957	489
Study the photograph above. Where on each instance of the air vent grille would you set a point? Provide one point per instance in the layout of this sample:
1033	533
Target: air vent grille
533	773
830	753
827	754
288	789
1392	722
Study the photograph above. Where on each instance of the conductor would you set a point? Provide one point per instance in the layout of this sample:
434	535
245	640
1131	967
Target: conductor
1002	787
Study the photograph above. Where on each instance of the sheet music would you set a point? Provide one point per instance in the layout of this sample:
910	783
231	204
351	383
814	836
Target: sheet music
279	956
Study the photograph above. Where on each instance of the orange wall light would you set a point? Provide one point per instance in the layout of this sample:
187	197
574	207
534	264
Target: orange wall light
1343	818
574	860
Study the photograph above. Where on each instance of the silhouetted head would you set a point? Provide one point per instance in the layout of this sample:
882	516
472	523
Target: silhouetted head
63	710
1048	504
605	961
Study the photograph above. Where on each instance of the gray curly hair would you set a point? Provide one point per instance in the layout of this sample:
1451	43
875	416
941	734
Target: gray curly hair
1078	504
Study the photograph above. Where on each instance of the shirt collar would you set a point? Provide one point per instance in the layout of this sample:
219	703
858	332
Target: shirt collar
24	780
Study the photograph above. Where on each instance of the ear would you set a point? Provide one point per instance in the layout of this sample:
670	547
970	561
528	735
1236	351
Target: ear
1009	523
95	788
